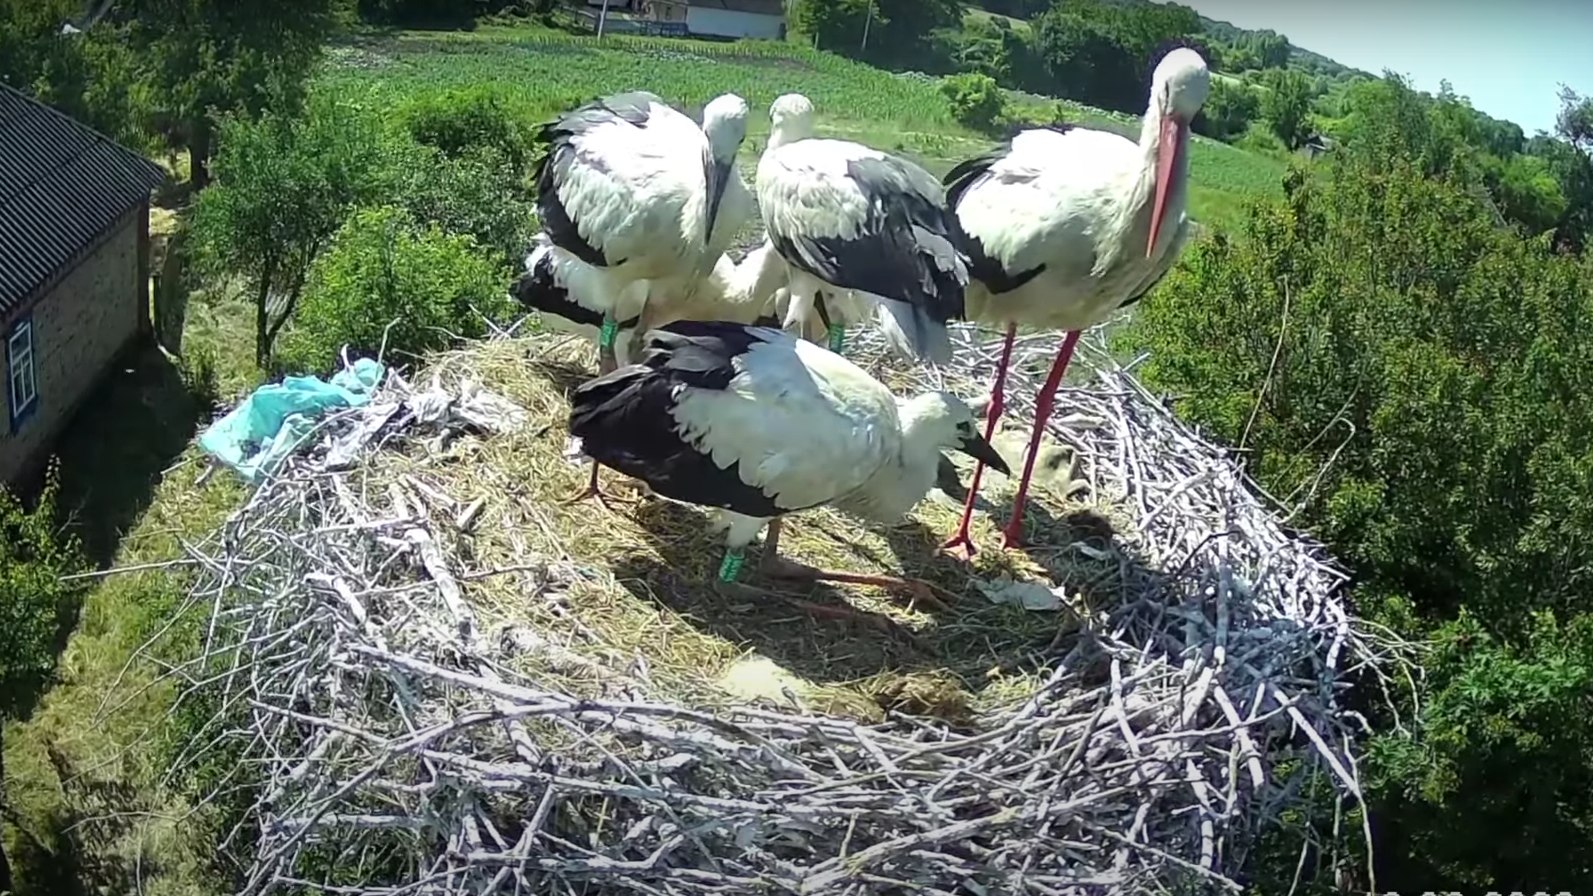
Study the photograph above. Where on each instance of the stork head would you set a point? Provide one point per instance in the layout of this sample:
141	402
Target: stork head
1178	89
936	421
790	119
724	120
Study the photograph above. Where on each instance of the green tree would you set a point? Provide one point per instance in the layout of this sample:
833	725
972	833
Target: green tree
1102	53
1416	380
33	558
209	57
91	76
478	192
1287	106
1268	48
386	279
1571	159
976	100
834	25
456	120
284	186
1228	111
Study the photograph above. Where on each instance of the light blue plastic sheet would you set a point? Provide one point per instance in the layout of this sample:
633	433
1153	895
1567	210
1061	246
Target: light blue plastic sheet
269	425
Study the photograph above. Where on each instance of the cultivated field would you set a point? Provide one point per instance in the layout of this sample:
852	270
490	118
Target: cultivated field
543	72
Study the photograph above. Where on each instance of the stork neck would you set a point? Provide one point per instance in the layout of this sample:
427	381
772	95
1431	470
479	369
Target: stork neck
901	482
788	132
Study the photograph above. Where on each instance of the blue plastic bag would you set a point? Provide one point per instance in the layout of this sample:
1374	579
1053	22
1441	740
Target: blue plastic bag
258	434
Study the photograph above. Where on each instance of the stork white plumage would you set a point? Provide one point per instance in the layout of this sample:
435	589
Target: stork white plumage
639	191
1064	226
569	296
759	423
863	232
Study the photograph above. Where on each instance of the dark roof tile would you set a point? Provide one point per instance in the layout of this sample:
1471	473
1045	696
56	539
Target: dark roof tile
61	185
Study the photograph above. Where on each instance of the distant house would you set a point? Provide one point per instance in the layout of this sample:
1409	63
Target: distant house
74	269
736	18
666	17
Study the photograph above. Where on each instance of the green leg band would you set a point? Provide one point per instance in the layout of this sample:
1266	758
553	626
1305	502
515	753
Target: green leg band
730	567
605	336
837	337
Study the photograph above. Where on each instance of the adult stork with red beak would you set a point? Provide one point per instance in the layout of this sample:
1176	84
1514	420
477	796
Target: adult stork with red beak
1065	225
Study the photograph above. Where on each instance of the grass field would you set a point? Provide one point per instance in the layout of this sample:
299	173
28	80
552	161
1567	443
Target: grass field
544	72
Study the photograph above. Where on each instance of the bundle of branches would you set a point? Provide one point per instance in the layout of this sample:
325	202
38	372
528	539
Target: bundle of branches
426	679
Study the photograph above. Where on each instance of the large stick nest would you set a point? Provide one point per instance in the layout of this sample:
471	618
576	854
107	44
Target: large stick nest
428	675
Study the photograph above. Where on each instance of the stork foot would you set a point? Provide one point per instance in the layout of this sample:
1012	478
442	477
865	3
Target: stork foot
960	546
1012	535
917	590
592	492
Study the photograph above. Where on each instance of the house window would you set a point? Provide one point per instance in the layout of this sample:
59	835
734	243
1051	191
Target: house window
19	363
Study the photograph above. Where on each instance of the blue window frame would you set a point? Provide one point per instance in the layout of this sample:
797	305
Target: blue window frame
21	373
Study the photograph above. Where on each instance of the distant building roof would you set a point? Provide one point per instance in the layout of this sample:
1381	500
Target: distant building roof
763	7
61	185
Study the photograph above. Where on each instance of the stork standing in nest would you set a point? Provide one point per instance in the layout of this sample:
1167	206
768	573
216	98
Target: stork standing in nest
1064	226
759	423
864	233
642	193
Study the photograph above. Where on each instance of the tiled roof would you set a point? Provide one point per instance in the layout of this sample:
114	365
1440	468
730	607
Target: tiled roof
61	185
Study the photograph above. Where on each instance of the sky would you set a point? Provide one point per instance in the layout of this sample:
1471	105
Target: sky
1508	56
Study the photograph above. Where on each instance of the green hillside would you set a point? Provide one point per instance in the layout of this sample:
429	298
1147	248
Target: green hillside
541	72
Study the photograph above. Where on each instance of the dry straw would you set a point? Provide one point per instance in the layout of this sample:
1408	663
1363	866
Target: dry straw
429	676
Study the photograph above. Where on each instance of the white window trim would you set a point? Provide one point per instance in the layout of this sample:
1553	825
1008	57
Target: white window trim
22	373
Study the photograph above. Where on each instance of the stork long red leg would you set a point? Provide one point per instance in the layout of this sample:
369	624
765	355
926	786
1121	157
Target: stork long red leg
961	544
607	362
1012	535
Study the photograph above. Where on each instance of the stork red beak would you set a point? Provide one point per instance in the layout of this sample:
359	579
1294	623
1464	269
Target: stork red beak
1169	145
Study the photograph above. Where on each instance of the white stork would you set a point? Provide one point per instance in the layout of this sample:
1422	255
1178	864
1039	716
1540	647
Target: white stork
863	232
759	423
638	190
1055	220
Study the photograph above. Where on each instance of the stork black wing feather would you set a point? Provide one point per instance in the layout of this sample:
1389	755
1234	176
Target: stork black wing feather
981	265
909	249
625	419
553	168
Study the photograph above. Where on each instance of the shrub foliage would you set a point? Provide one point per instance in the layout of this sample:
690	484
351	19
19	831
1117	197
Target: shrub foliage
1415	377
386	279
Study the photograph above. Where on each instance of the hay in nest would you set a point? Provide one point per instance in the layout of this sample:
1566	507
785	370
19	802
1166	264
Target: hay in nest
435	677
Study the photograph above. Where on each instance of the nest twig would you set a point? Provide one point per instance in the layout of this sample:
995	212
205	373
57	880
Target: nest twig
390	739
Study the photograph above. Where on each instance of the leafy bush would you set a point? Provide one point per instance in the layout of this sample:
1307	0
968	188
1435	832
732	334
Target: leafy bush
1228	111
383	268
976	100
284	186
33	557
479	193
1417	379
459	120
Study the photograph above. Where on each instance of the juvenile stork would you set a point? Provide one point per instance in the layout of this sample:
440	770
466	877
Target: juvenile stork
1055	221
639	191
863	232
759	423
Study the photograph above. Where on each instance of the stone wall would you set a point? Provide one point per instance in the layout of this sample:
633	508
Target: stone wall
80	325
